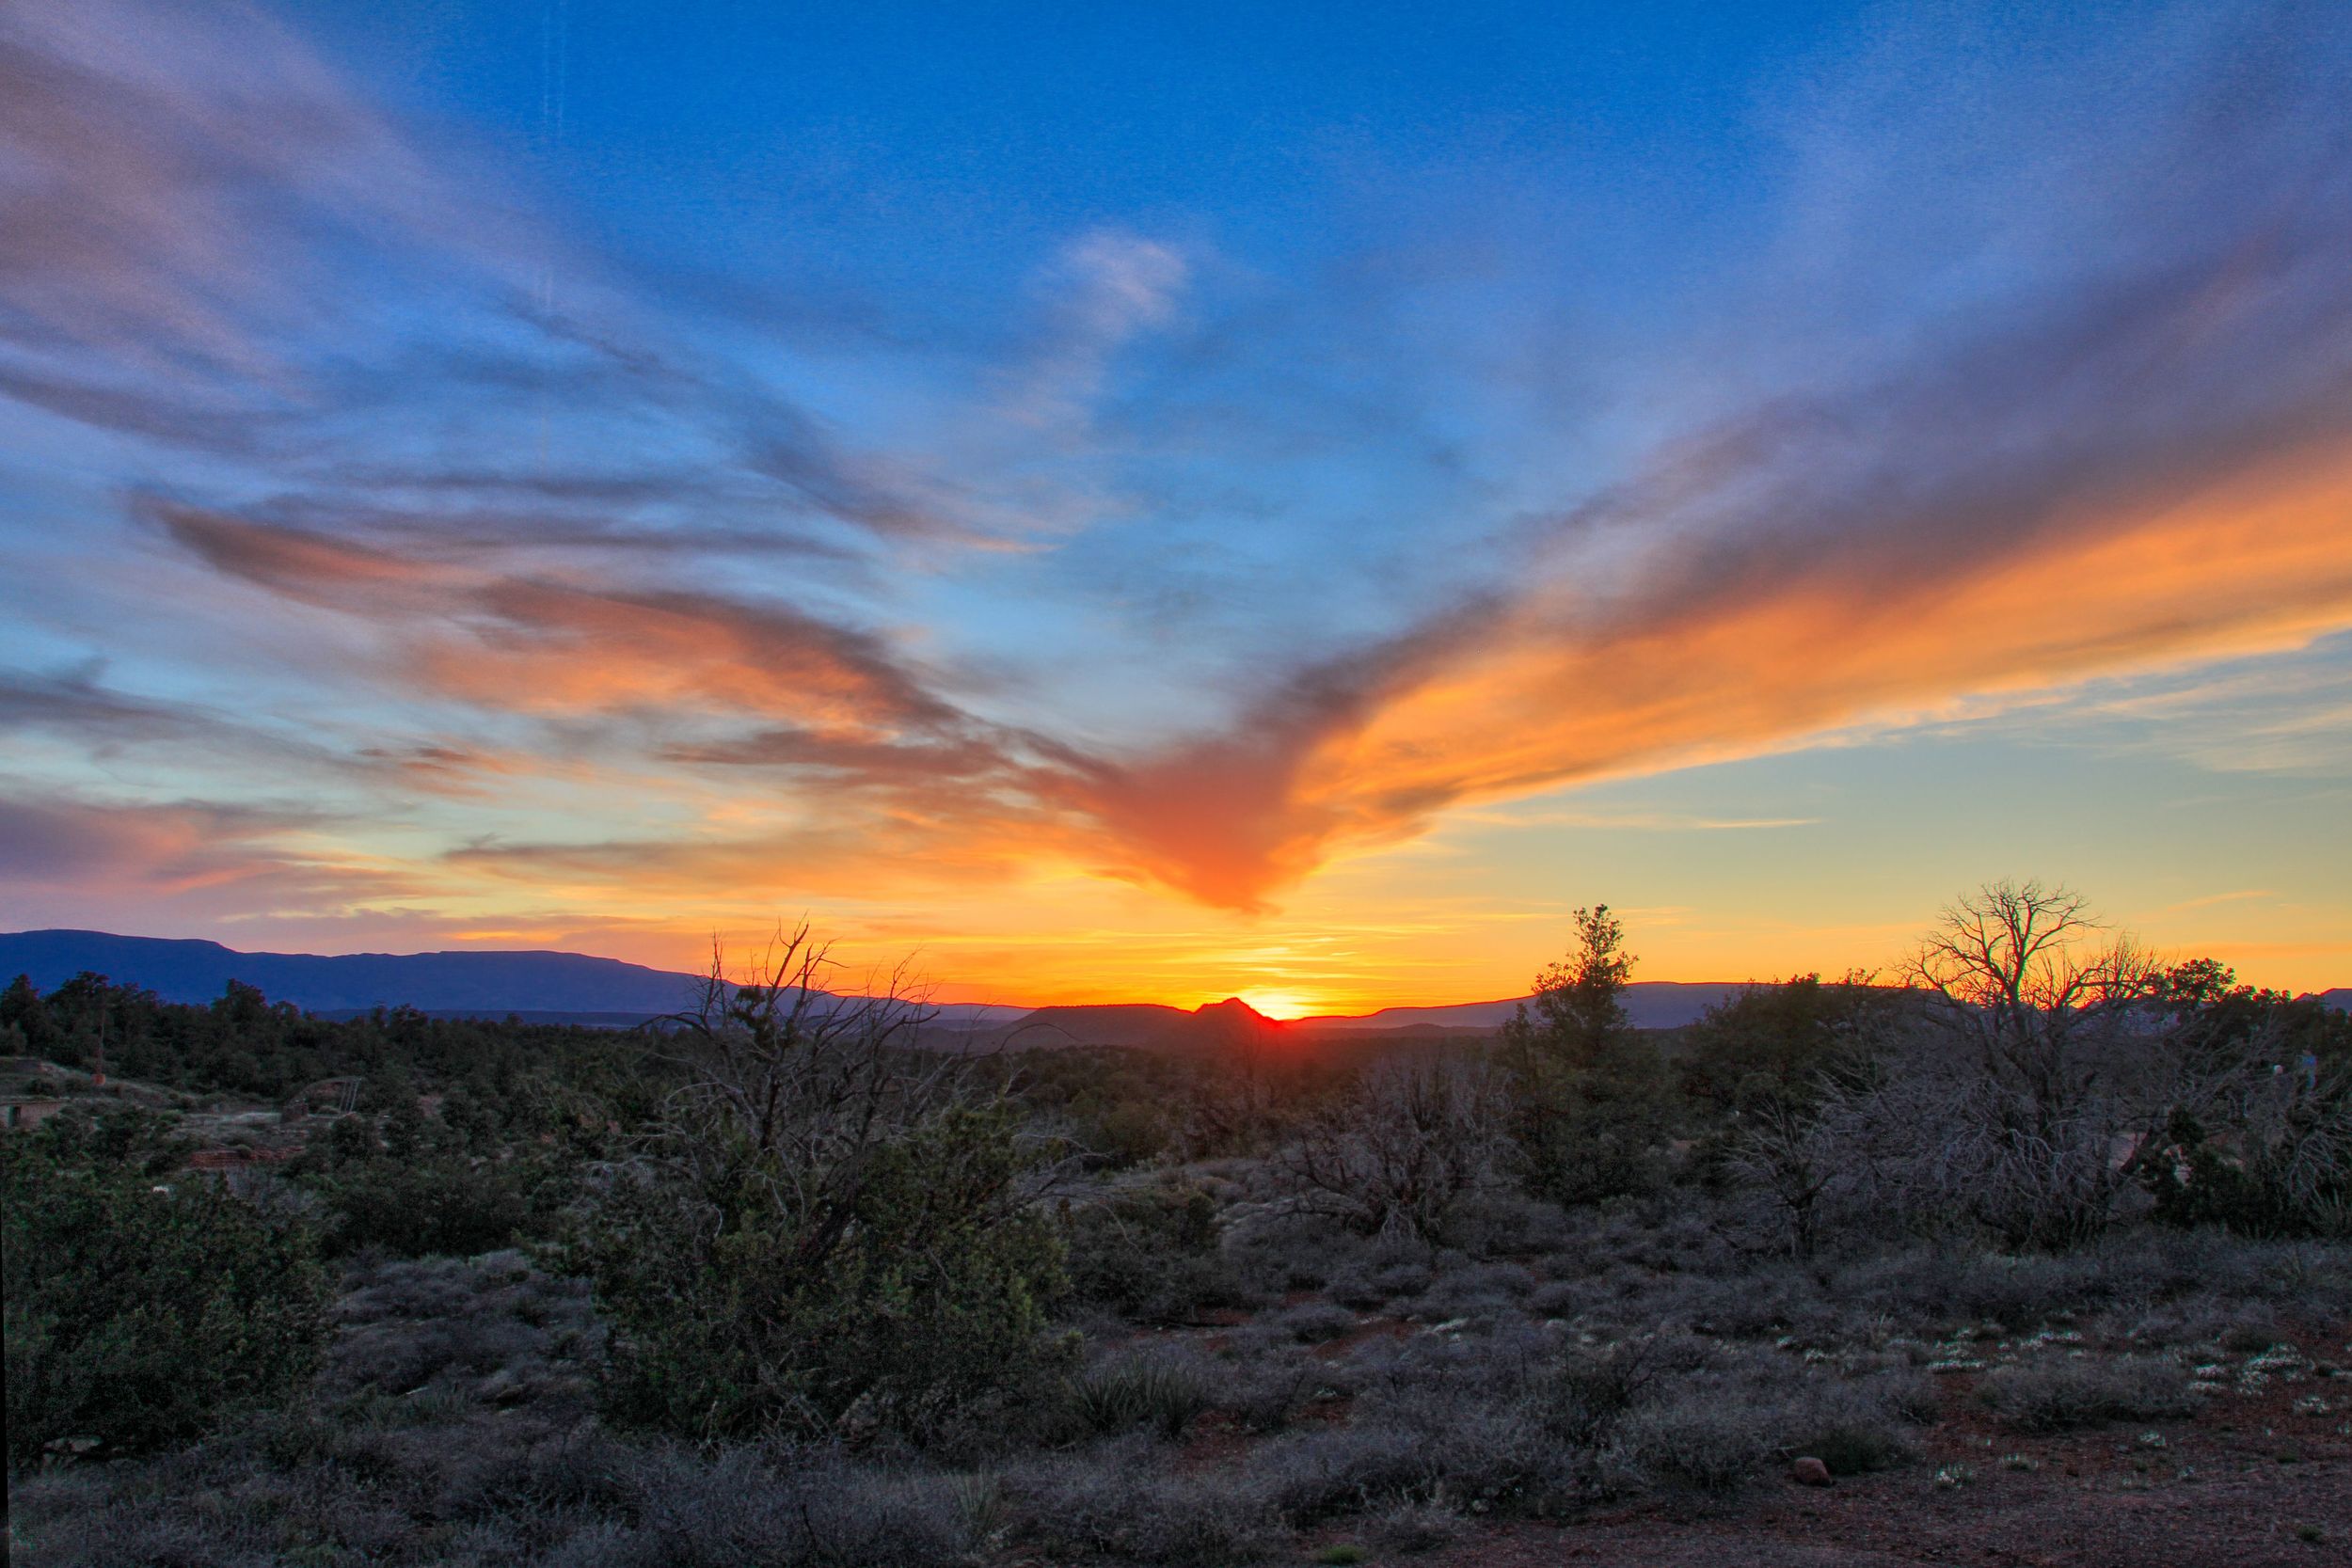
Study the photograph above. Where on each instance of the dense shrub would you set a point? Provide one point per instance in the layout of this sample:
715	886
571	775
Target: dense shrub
1592	1388
923	1296
1408	1151
1437	1416
1409	1526
2286	1171
1148	1253
1119	1501
1697	1439
1314	1322
444	1203
741	1509
826	1233
139	1314
1855	1427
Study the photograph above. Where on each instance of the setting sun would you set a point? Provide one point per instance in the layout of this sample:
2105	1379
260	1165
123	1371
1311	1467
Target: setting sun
1282	1005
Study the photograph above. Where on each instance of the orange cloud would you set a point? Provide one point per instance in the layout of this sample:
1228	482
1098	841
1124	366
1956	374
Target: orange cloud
537	645
1503	698
1536	698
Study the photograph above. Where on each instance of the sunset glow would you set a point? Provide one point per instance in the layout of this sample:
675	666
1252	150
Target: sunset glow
1165	523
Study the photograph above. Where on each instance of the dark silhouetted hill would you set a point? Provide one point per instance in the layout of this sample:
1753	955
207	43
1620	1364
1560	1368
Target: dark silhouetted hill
1143	1025
576	988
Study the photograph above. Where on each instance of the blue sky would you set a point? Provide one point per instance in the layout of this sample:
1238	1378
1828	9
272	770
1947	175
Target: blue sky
1113	499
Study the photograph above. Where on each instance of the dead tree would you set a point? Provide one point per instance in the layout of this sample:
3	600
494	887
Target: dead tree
2040	1018
1405	1153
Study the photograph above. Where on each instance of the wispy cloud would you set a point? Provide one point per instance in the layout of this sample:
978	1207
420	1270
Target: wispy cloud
187	859
2212	900
1103	289
1637	822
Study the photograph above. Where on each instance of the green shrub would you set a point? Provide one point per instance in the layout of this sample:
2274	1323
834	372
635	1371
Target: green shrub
905	1292
139	1315
434	1204
1149	1254
1593	1106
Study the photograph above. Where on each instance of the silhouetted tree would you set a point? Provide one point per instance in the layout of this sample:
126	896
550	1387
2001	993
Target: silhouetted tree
2014	1108
1590	1102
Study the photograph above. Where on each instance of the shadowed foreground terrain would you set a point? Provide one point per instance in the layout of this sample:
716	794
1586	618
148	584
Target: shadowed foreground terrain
1844	1274
455	1422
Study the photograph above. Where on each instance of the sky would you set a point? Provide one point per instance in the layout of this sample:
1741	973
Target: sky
1155	504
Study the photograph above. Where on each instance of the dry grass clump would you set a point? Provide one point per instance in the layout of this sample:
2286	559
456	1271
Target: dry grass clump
1411	1526
2065	1392
1312	1323
1116	1500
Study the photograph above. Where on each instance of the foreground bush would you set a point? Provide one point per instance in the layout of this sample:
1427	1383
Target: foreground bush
1149	1253
1123	1501
1156	1393
912	1300
826	1235
138	1314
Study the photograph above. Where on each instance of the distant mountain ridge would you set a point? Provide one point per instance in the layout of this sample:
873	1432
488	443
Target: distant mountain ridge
1650	1004
492	983
575	986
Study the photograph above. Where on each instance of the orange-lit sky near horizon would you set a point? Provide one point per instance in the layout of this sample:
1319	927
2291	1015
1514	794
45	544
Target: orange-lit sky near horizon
1121	517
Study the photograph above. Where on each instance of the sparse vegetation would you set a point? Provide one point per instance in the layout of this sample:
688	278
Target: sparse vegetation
795	1289
2057	1395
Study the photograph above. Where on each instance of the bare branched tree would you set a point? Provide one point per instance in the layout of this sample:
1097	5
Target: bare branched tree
2014	1113
2024	977
1405	1152
782	1075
